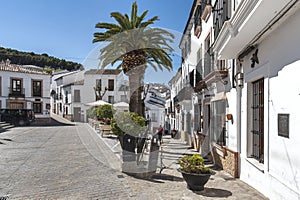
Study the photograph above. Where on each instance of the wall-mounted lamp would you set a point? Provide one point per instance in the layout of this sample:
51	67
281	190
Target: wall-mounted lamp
239	78
229	117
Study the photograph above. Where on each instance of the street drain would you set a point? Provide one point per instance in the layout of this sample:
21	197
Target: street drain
119	176
4	198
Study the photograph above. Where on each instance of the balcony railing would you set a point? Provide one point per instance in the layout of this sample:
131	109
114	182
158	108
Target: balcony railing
16	92
215	76
221	14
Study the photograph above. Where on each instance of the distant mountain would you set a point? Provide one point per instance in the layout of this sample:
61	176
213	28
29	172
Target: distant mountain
42	60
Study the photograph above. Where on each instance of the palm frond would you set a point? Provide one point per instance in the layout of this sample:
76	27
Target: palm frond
121	20
133	17
106	25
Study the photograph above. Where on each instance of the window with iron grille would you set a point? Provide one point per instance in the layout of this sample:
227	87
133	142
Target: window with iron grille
258	120
222	13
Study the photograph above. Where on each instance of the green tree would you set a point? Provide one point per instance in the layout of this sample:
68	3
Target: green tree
104	111
132	44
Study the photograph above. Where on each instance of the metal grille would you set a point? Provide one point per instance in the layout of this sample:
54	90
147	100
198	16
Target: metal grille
258	120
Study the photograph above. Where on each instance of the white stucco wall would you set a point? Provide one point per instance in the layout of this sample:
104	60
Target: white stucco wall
27	85
279	65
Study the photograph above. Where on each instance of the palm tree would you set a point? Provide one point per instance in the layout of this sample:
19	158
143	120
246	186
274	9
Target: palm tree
132	44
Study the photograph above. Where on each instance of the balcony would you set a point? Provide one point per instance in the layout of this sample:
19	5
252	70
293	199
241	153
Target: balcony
184	95
212	77
251	18
215	76
16	92
200	86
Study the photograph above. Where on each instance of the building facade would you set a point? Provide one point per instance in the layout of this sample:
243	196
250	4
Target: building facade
73	91
246	56
262	38
24	86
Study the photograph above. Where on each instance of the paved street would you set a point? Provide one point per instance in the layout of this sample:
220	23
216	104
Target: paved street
63	162
74	162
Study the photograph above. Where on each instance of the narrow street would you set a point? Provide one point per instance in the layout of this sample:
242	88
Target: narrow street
56	162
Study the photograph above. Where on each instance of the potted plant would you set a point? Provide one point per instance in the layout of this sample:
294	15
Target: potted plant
194	171
131	131
130	128
105	112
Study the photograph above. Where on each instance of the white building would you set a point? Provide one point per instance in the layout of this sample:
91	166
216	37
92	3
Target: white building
73	91
175	85
155	105
24	86
263	38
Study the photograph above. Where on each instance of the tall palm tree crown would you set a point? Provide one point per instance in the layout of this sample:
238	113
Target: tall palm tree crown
134	45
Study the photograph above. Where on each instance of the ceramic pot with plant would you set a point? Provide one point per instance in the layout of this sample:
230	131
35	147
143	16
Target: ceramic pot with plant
194	172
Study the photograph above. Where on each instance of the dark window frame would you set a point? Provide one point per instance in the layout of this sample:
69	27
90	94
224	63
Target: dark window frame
17	87
111	99
111	84
37	91
37	110
258	120
77	96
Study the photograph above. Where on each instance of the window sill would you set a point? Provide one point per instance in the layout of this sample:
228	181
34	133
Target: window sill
256	164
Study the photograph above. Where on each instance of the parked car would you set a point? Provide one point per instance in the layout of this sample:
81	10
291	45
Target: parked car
18	117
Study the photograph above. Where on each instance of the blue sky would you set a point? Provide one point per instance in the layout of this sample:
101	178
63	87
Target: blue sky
64	28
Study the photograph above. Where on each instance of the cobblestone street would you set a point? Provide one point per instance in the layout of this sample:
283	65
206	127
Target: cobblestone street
74	162
54	163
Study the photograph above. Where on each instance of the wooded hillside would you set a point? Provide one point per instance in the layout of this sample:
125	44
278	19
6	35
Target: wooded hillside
41	60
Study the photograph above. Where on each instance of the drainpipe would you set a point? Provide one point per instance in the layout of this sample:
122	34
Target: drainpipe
239	77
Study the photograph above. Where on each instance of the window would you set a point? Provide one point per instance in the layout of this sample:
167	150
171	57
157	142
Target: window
222	13
111	85
218	125
37	108
98	84
153	117
110	99
197	21
16	86
258	120
76	95
207	57
36	88
66	97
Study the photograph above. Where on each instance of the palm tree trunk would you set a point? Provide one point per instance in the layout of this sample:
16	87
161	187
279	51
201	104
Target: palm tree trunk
135	90
134	66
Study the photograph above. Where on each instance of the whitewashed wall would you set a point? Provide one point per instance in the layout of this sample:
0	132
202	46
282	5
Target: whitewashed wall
279	65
